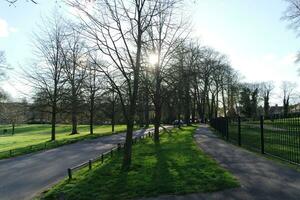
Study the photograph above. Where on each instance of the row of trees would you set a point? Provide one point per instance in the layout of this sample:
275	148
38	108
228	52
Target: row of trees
255	95
136	57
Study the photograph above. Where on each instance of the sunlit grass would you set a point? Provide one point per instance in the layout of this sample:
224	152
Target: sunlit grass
26	135
175	166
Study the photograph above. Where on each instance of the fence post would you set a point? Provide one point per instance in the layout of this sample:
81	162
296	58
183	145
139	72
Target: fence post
239	131
90	164
262	134
102	158
70	173
226	129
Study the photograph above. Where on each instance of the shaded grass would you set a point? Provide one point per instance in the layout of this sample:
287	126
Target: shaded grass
175	166
31	138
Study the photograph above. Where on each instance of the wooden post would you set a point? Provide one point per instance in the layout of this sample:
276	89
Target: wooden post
90	164
70	173
102	158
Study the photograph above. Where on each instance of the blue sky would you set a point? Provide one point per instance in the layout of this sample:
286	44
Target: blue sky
250	32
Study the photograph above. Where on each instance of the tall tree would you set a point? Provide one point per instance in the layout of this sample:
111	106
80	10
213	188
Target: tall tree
287	92
164	33
93	85
115	29
75	68
266	88
245	101
47	75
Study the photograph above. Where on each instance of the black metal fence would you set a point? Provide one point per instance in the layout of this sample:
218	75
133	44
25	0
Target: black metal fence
277	136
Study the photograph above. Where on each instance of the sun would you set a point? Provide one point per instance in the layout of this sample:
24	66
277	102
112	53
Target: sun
153	58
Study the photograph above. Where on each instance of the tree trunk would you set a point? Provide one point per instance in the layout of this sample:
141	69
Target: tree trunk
224	103
157	105
53	121
133	98
74	117
128	146
146	113
74	110
74	123
187	112
157	123
13	128
217	101
212	106
113	116
92	115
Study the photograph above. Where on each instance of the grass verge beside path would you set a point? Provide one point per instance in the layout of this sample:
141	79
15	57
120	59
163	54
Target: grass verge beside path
175	166
32	138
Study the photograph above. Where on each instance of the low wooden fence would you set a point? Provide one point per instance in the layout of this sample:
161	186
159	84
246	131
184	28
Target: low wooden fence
110	153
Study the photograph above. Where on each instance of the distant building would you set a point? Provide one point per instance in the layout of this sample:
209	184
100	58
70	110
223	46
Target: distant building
276	110
295	108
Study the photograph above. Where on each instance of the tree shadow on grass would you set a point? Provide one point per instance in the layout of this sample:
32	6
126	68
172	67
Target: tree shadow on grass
173	166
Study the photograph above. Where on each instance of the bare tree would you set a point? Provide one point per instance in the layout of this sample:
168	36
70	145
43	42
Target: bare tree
12	2
265	89
115	29
292	15
75	68
93	85
164	34
287	92
47	74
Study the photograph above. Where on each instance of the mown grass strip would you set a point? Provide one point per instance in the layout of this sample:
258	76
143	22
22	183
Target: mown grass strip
175	166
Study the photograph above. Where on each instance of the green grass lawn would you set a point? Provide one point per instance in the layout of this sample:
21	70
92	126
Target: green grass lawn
39	135
175	166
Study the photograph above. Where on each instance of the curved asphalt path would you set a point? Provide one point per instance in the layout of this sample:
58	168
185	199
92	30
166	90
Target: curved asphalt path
23	177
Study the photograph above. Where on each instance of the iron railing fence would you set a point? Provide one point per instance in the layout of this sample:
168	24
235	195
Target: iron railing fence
277	135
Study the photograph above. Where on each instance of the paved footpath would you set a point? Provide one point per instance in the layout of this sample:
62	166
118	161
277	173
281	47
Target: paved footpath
260	178
23	177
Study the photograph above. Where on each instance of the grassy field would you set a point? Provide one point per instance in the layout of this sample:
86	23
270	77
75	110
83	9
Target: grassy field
175	166
37	137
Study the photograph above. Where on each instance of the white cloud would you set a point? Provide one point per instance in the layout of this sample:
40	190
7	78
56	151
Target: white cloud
5	29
